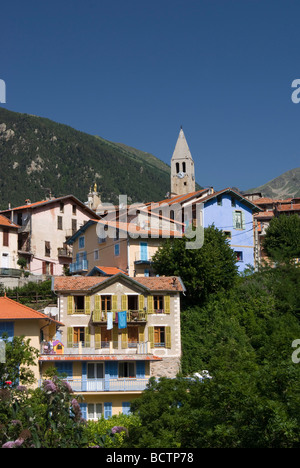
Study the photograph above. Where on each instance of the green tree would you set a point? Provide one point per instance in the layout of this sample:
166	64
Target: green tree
282	240
19	357
203	271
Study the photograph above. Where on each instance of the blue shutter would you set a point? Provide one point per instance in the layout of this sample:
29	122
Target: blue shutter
84	376
83	407
111	370
65	368
126	407
107	410
140	369
144	250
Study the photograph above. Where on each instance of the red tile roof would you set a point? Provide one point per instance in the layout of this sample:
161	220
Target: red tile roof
12	310
7	223
87	283
109	270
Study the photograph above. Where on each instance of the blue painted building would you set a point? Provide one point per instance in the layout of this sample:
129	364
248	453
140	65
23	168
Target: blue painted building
232	213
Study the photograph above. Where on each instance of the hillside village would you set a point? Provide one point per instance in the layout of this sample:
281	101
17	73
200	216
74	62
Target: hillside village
116	323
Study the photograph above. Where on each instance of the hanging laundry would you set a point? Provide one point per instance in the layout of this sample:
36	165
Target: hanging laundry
122	319
109	321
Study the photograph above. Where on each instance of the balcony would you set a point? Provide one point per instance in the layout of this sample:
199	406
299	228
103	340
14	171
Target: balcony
103	348
79	266
106	385
133	316
12	272
64	252
143	258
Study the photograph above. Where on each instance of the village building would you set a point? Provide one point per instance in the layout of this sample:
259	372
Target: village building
119	331
8	247
44	228
128	246
19	320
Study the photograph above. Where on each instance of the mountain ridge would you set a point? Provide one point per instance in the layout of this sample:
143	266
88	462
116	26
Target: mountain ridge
287	185
38	155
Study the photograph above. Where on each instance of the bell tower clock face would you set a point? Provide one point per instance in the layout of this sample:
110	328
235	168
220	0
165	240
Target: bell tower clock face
180	175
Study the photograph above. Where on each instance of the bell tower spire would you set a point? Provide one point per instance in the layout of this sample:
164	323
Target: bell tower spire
182	168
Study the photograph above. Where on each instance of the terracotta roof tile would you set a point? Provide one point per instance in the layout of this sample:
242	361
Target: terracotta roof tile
6	222
87	283
12	310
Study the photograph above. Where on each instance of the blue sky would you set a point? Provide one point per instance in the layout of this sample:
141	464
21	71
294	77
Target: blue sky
135	71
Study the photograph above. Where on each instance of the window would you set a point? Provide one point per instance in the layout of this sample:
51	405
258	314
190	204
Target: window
159	337
96	254
94	411
239	256
61	207
79	304
81	242
59	223
219	200
106	303
8	329
233	202
133	337
238	220
47	249
74	210
158	304
78	335
106	337
127	370
117	250
227	234
74	226
177	168
126	407
5	237
95	370
183	167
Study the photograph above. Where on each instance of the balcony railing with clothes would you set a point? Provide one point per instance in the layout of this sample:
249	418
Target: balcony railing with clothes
131	316
106	384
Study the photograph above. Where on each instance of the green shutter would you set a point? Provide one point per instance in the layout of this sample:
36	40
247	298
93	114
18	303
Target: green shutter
87	305
70	337
151	336
115	335
87	337
234	220
167	309
141	302
97	309
150	305
141	334
124	339
97	337
168	337
70	305
243	220
124	302
114	302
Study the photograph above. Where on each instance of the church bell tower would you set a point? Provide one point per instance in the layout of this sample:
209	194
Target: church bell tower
182	168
